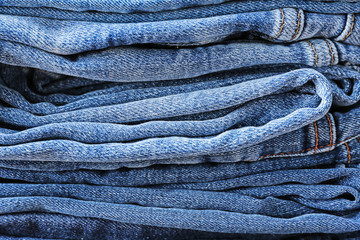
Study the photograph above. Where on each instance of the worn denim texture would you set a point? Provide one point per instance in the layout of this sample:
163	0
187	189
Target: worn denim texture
219	126
153	119
41	225
66	37
112	12
131	64
175	106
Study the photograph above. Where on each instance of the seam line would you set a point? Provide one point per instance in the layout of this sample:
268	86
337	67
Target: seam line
282	24
314	50
330	130
349	153
305	150
331	52
351	28
335	145
316	138
298	24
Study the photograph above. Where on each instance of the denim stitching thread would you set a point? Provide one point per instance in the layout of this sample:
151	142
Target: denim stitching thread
330	130
331	52
314	50
316	138
349	153
298	24
282	24
351	28
305	150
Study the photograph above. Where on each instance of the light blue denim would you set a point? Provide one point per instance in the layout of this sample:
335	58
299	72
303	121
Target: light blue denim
131	64
109	12
179	119
301	142
179	142
280	25
150	131
121	6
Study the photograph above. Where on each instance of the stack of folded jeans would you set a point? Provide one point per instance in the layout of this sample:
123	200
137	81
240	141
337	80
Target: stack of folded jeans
168	119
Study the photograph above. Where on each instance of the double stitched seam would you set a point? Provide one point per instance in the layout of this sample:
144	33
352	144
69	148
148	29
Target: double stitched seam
309	149
314	50
282	24
351	28
331	52
316	138
330	130
316	148
348	151
305	150
298	24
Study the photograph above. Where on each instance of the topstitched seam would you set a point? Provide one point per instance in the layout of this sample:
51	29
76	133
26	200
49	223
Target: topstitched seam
349	153
316	138
331	52
298	24
314	50
351	28
330	130
282	24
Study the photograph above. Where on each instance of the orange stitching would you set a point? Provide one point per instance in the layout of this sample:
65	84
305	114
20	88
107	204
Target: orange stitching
307	150
330	129
298	24
282	24
316	138
348	150
313	48
351	28
331	52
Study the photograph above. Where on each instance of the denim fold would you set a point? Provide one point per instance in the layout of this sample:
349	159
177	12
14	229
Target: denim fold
156	119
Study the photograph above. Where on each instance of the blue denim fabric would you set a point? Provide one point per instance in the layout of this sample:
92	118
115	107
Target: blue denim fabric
19	238
302	142
206	220
43	93
53	9
71	37
121	6
130	64
177	105
179	119
185	127
42	225
336	194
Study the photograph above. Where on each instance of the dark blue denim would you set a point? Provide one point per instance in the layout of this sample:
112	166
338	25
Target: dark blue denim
43	226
